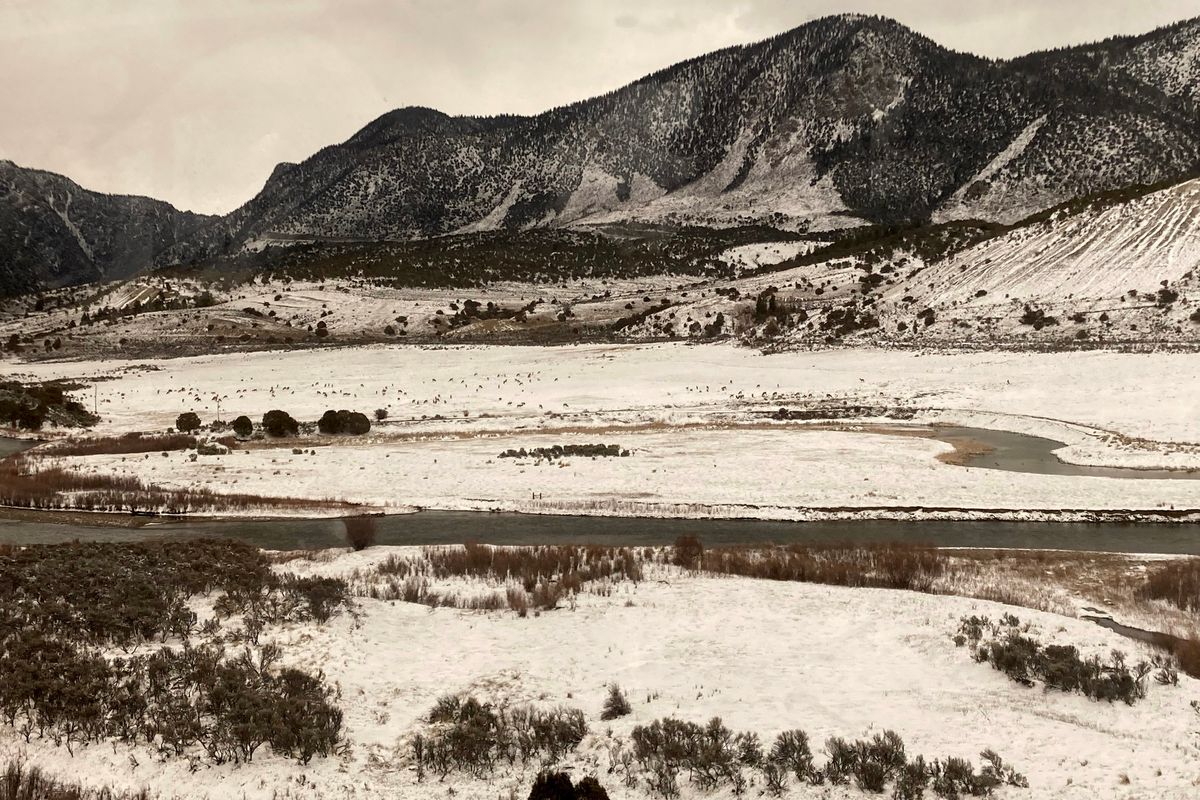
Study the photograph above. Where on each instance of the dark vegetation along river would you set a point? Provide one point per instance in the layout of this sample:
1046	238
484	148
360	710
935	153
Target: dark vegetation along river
1006	451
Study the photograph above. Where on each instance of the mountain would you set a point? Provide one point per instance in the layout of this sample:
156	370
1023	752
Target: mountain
844	120
54	233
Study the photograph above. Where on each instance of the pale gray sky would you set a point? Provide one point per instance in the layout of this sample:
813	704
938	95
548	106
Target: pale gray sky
194	101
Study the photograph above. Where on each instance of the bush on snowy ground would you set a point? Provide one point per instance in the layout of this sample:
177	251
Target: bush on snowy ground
279	423
1024	659
187	422
63	607
353	423
616	705
243	427
473	737
687	552
712	755
558	786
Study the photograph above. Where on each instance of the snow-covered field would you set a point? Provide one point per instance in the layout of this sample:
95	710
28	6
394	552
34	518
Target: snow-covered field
764	656
692	415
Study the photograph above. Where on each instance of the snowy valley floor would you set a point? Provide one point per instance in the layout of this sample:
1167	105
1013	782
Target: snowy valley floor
764	656
694	418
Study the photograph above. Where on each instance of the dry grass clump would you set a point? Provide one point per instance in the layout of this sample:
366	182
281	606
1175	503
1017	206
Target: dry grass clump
20	781
120	445
537	578
27	482
1177	582
891	565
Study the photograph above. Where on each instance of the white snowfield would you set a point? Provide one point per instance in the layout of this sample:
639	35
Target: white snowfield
764	656
692	415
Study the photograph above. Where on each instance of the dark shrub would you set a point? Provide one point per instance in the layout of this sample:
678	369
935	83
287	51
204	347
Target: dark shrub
360	532
552	786
912	780
1061	667
616	705
590	789
329	422
280	423
243	427
343	421
381	414
187	422
356	423
1177	582
791	752
842	759
688	552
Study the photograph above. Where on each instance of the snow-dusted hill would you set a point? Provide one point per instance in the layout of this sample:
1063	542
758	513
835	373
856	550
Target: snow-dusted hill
845	119
1103	254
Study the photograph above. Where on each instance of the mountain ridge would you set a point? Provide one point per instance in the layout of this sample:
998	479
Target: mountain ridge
846	120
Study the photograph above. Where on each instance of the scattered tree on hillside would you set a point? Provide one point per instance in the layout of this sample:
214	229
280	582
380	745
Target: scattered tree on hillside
187	422
243	427
350	422
280	423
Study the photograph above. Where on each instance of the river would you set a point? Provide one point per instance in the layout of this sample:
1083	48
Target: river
1008	451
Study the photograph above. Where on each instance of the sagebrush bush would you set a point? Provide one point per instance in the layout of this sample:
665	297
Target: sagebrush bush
558	786
1024	659
688	552
616	704
63	607
472	737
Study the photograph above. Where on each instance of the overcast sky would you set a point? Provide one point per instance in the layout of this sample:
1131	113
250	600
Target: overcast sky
195	101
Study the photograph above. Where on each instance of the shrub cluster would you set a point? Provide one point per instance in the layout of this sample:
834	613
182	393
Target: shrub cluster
568	450
63	606
473	737
1010	650
279	423
558	786
353	423
30	406
712	756
173	700
125	594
